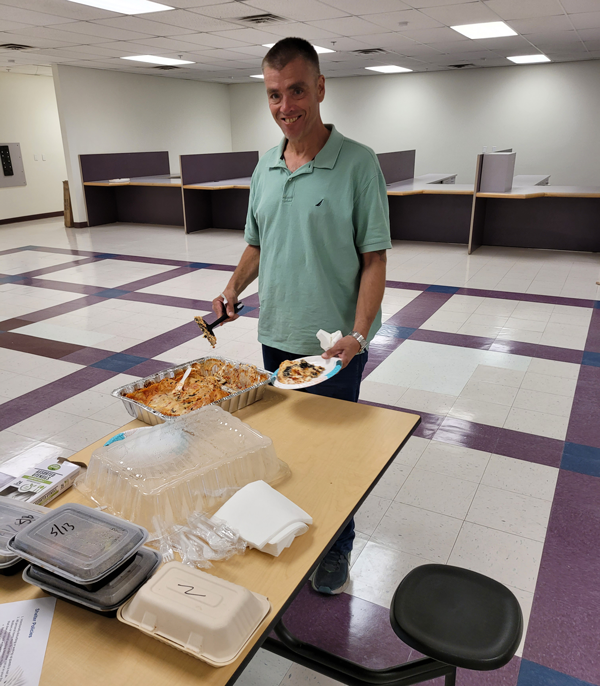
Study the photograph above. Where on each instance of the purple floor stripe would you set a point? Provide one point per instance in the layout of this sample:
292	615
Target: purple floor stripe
60	267
166	341
12	251
14	411
584	423
11	324
418	311
527	297
407	285
149	367
61	286
251	300
87	356
151	260
544	352
156	279
222	267
565	619
62	308
457	339
592	343
33	345
169	300
489	439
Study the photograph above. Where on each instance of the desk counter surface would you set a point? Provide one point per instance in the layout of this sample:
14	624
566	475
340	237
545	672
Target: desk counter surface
243	182
166	180
336	451
525	192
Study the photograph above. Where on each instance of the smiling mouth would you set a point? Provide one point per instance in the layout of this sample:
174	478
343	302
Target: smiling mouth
290	120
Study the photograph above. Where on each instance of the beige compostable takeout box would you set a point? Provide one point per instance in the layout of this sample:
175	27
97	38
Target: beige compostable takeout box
198	613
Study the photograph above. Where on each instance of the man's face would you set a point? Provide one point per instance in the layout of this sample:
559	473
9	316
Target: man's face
294	95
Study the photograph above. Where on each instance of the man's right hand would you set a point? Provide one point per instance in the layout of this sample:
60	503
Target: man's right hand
220	307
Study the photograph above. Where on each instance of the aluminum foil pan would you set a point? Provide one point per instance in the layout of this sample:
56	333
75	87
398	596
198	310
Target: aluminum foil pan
231	403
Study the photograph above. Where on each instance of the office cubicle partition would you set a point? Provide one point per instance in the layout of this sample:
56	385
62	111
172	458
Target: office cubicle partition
397	166
216	189
150	196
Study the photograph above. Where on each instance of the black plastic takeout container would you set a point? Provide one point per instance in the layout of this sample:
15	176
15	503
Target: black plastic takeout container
78	543
107	595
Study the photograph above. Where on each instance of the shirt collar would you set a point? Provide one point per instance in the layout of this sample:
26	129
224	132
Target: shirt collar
325	158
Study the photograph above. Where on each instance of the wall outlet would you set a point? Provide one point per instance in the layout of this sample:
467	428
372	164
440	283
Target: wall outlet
36	157
43	158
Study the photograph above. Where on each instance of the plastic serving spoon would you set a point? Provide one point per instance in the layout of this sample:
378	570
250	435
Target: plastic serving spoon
208	329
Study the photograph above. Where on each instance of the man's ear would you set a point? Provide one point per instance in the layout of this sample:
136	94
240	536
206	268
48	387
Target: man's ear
321	87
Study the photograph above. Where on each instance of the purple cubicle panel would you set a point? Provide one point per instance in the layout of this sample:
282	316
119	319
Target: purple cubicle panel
123	165
217	166
442	218
397	166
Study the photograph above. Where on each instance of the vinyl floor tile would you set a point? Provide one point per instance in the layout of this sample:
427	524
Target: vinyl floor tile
454	461
437	493
538	423
520	476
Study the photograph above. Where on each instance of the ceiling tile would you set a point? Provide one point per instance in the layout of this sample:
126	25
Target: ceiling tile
589	34
90	28
463	13
186	4
176	44
343	43
404	21
11	25
60	8
151	28
360	7
541	25
389	41
189	20
11	37
252	36
580	5
543	40
439	35
306	10
349	26
419	4
102	50
30	17
524	9
461	47
511	45
586	20
255	50
60	35
299	30
225	10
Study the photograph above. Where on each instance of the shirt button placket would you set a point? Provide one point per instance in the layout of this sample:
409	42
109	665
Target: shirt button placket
288	190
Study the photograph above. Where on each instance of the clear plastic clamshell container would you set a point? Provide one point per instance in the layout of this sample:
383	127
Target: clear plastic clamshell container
200	614
15	516
158	476
79	543
111	594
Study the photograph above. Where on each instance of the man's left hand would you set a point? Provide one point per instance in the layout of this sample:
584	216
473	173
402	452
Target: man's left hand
346	348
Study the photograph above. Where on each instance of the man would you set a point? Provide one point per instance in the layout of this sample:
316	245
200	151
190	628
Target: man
318	231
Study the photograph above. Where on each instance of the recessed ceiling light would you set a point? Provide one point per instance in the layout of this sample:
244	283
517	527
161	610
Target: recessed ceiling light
155	59
318	49
389	69
489	29
529	59
125	6
256	76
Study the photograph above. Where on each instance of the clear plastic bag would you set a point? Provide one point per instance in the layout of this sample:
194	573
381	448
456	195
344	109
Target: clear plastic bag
200	542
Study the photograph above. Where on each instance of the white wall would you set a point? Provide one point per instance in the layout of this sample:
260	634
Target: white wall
29	116
104	111
549	114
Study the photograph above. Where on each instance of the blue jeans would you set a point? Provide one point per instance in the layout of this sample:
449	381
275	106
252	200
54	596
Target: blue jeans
345	385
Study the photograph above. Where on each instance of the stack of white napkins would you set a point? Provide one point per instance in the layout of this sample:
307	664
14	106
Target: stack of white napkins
264	518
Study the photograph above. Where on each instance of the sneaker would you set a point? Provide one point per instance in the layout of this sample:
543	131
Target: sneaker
333	574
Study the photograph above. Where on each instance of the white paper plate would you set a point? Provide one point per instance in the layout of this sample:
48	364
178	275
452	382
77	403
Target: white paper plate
332	366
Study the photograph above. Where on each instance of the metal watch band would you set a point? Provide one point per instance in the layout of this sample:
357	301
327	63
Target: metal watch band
360	338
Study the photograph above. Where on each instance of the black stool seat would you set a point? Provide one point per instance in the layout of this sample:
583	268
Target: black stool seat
457	616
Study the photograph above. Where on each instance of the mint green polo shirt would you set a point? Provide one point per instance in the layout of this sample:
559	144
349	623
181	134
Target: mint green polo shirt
312	226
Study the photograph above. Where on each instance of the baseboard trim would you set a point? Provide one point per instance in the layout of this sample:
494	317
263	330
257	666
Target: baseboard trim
32	217
80	225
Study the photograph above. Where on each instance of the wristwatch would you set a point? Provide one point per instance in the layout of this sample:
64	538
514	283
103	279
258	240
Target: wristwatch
361	339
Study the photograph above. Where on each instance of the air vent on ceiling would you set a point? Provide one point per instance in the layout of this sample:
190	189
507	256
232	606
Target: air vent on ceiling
258	19
15	46
369	51
165	67
460	66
